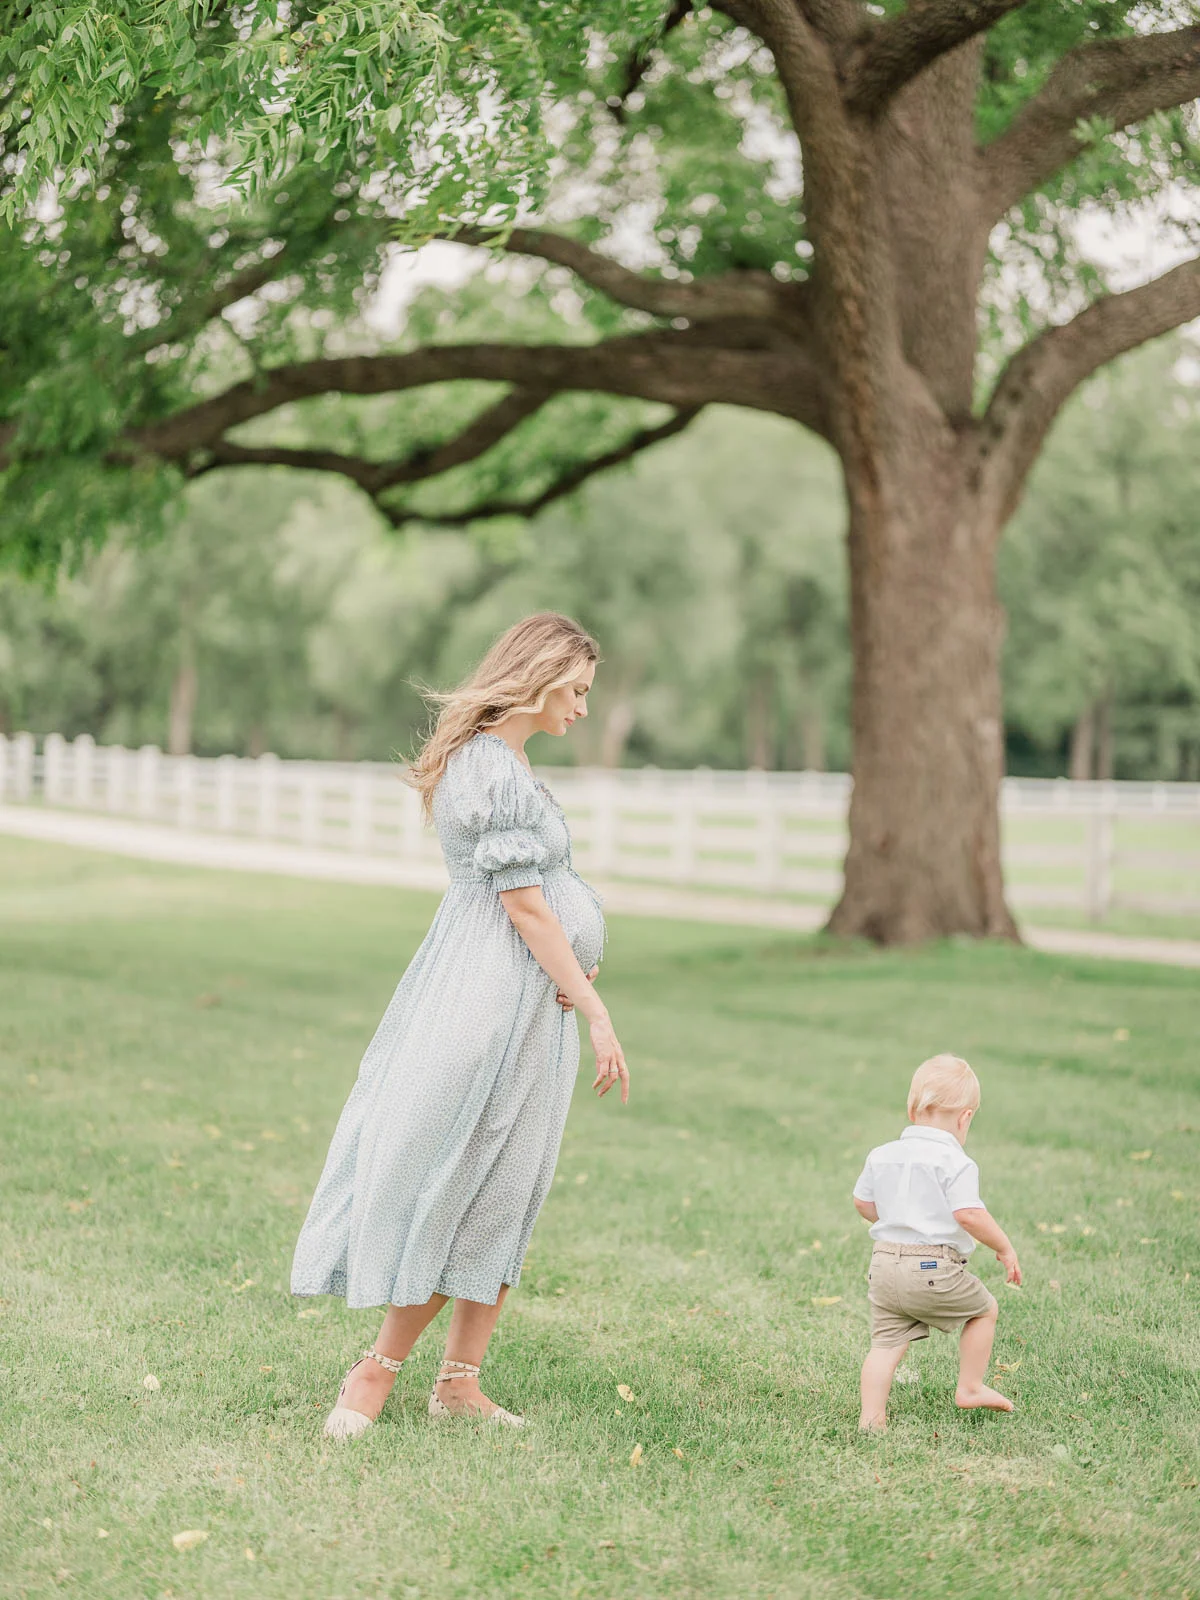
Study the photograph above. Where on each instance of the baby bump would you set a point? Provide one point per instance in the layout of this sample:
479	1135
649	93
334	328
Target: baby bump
577	908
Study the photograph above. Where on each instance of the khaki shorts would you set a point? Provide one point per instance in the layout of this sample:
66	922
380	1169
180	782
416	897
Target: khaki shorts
915	1287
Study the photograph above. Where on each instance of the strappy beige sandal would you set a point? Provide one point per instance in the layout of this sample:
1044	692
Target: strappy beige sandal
439	1411
342	1422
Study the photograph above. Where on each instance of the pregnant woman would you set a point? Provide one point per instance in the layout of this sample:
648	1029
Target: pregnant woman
448	1142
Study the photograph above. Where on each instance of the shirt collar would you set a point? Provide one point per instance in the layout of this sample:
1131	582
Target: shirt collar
924	1132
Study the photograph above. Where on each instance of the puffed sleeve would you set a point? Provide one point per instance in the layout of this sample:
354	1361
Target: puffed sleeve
495	800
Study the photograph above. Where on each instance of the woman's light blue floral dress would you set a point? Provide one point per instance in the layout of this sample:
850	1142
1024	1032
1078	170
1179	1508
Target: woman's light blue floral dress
448	1142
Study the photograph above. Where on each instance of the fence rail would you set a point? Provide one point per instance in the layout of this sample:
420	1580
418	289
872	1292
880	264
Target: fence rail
1084	847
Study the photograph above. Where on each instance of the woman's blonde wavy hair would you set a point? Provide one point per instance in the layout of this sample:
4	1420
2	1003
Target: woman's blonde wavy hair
539	654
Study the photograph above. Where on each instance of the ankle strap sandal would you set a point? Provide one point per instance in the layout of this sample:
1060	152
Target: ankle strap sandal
439	1411
344	1423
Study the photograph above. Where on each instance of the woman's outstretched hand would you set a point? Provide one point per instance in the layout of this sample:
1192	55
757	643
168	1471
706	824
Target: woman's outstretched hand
610	1060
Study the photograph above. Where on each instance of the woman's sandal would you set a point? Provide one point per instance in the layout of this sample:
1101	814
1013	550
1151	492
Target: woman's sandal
342	1422
439	1411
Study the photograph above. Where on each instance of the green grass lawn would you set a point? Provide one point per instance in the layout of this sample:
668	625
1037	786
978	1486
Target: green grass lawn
174	1049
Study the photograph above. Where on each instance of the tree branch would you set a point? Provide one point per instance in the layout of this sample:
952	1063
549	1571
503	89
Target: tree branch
564	484
189	318
374	477
895	51
1120	80
733	294
675	367
1041	377
638	63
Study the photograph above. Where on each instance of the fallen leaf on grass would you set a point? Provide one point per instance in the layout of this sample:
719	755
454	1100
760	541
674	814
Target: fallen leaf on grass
270	1135
1087	1232
676	1451
636	1458
243	1144
625	1392
79	1205
1140	1155
211	1129
581	1177
1055	1285
1121	1035
1178	1194
102	1533
189	1538
249	1554
826	1299
607	1544
310	1311
242	1287
1007	1366
150	1382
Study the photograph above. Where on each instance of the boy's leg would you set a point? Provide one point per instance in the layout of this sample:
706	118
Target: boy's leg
878	1370
974	1353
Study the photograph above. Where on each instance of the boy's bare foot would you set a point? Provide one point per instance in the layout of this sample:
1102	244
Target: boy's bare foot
981	1398
872	1424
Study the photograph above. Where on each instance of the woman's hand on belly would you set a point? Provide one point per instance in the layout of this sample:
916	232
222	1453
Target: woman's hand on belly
565	1000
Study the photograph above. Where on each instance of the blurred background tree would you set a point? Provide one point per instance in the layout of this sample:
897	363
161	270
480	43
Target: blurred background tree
864	218
283	613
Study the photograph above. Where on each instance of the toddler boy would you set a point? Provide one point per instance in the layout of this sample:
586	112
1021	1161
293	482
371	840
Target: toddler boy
921	1196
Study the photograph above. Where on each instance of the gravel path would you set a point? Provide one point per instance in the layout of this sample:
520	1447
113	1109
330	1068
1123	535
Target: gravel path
153	842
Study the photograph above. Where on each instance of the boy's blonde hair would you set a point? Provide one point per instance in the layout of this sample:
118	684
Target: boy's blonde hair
943	1083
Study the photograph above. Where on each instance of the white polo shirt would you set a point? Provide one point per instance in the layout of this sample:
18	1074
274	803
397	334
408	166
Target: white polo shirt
917	1183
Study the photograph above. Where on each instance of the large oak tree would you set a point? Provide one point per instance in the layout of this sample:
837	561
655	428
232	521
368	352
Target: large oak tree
856	216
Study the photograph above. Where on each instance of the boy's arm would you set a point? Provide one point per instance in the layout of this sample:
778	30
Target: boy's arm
867	1209
980	1224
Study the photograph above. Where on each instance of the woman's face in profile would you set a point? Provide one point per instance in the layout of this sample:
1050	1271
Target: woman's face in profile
568	702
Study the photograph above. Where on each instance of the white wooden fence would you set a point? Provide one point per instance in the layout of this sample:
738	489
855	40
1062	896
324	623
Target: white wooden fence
1085	847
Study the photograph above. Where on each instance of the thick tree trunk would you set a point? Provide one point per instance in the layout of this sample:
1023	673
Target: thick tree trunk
1104	737
618	725
927	627
184	687
1082	744
812	736
758	724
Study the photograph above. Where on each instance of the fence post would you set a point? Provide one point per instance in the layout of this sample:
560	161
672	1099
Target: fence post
117	762
185	810
53	768
149	763
412	820
22	750
603	861
310	804
226	797
267	768
768	826
361	790
683	856
1100	855
84	753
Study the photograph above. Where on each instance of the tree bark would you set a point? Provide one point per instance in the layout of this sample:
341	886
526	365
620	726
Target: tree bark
184	688
1082	745
812	736
1104	737
759	739
927	628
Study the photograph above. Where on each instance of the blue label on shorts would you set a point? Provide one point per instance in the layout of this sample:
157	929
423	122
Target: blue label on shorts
928	1266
